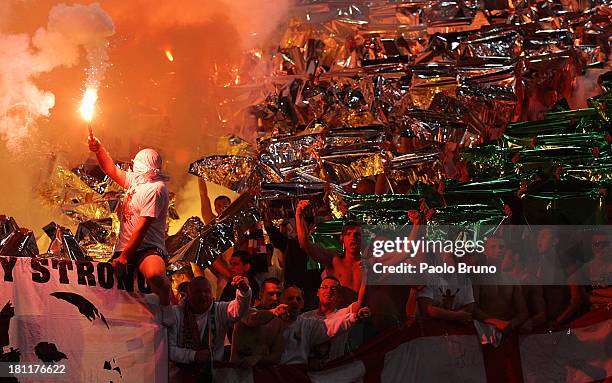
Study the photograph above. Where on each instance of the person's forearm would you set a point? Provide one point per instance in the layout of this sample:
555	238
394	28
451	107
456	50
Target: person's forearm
574	305
603	293
597	299
182	355
106	162
258	318
302	231
222	270
568	313
239	306
206	209
304	240
440	313
134	242
339	323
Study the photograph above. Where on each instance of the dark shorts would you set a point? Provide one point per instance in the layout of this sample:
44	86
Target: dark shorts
140	255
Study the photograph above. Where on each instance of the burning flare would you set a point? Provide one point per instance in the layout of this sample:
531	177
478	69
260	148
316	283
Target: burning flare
169	56
87	104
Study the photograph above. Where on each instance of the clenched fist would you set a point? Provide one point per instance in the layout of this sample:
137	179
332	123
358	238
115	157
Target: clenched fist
94	144
242	283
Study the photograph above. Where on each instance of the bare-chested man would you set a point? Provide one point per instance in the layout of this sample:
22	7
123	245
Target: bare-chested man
517	273
563	299
500	305
345	266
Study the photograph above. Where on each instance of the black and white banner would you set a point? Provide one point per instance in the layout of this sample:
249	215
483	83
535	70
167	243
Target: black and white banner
81	316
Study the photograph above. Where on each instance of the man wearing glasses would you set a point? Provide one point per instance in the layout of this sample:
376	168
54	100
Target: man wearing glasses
335	347
596	273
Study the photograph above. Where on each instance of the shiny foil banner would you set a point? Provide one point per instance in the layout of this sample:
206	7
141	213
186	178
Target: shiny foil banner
98	237
341	165
278	200
227	171
219	235
63	244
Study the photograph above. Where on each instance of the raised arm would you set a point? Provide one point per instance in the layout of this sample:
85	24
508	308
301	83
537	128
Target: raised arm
221	269
206	209
317	253
106	162
240	305
332	325
256	317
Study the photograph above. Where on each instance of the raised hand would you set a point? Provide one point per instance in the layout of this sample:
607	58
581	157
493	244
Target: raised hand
280	311
363	313
94	144
301	205
242	283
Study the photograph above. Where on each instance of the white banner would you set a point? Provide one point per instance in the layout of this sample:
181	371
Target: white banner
78	314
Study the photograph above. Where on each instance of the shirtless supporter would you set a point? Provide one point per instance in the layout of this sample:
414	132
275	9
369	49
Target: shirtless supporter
563	299
345	266
503	306
221	203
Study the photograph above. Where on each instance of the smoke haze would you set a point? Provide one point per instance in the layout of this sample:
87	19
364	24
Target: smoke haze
50	51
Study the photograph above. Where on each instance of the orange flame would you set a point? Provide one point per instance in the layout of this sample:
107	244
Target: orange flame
169	56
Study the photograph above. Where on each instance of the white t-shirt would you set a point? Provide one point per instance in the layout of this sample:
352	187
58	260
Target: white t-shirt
450	292
337	344
304	333
144	200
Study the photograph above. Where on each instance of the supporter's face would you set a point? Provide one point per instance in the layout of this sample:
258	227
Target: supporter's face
238	267
270	295
199	296
351	239
494	249
546	241
221	204
600	245
292	297
328	292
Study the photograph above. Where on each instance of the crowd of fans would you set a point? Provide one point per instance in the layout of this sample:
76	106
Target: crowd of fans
310	305
285	305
